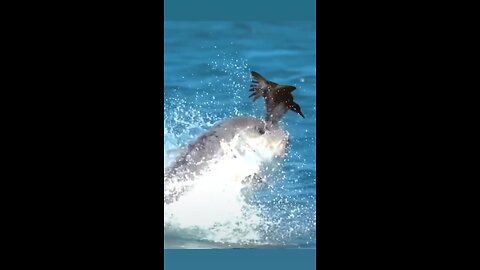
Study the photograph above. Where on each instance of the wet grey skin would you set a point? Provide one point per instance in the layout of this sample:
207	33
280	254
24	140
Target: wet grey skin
207	147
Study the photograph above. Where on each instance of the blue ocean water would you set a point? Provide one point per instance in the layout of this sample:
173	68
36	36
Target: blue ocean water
207	77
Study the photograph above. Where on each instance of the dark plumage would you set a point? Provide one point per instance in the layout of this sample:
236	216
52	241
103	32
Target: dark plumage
278	97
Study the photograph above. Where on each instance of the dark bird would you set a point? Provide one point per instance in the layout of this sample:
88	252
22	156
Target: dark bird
278	97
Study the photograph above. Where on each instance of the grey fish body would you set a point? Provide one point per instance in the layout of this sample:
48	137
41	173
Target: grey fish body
245	138
207	146
242	135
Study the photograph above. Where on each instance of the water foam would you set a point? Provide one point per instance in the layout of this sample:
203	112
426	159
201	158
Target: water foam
215	207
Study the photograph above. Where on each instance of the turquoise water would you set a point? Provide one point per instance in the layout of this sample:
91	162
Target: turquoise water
207	77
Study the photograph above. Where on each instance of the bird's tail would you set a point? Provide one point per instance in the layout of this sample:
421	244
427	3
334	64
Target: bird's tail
259	86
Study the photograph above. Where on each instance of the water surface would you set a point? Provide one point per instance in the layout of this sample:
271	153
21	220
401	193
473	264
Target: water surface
207	77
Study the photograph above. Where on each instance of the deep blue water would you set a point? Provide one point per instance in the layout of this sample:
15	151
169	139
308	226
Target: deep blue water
207	67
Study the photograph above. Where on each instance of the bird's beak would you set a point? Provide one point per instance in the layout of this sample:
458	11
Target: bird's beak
301	114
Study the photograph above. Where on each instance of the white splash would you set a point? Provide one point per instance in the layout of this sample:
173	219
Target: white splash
215	206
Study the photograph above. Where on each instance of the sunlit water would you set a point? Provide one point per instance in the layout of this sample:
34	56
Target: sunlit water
207	77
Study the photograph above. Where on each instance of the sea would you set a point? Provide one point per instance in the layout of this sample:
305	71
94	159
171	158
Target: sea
207	77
